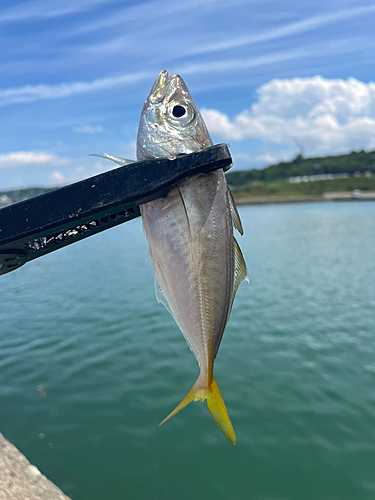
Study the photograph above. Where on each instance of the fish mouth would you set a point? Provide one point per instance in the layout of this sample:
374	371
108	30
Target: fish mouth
166	86
158	90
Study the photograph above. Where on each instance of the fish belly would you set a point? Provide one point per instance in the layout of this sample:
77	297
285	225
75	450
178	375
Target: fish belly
191	243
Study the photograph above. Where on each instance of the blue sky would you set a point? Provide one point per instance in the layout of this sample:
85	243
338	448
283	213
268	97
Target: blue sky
271	78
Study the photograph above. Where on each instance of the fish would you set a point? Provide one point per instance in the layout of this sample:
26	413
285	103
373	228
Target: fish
198	264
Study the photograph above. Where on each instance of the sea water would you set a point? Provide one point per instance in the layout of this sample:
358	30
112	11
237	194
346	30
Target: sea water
90	364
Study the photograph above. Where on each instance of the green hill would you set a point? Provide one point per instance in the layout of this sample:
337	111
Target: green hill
299	177
308	176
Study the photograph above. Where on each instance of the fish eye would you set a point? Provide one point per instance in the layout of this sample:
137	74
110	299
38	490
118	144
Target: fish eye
178	111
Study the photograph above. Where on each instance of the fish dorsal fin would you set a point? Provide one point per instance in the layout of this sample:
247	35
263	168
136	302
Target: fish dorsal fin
240	272
119	161
234	213
162	299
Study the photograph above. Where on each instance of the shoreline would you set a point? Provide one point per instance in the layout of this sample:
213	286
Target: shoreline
19	480
326	197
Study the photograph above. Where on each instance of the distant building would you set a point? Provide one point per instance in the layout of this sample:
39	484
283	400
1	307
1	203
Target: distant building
323	177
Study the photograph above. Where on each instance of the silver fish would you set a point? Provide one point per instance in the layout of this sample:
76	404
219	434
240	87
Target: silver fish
197	261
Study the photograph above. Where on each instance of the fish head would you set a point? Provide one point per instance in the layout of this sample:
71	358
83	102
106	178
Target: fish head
170	123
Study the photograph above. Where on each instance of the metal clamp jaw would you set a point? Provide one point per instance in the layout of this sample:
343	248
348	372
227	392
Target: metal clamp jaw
40	225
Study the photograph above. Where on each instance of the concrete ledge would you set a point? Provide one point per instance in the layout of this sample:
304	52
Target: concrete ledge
19	480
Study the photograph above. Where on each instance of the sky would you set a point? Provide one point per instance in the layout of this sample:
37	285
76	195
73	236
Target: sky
273	79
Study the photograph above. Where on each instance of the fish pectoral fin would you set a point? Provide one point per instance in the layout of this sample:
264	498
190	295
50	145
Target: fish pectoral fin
215	405
119	161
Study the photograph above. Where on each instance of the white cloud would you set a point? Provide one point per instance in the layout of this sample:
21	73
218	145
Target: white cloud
89	129
315	114
25	158
57	176
81	172
219	124
78	169
269	158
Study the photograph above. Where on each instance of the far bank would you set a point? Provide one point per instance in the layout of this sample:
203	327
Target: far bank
245	199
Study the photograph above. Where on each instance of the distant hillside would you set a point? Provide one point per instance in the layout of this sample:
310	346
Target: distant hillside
308	176
300	177
16	195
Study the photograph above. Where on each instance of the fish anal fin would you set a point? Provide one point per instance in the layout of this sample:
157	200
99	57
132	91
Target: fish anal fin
215	404
237	224
161	298
119	161
149	255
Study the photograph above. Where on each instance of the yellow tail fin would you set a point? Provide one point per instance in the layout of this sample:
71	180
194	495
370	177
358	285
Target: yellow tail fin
215	404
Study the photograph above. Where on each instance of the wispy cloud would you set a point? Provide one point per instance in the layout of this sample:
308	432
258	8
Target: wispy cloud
298	27
30	93
151	10
238	64
310	51
89	129
44	9
29	158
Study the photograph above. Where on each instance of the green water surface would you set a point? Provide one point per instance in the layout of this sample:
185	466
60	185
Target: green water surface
296	367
